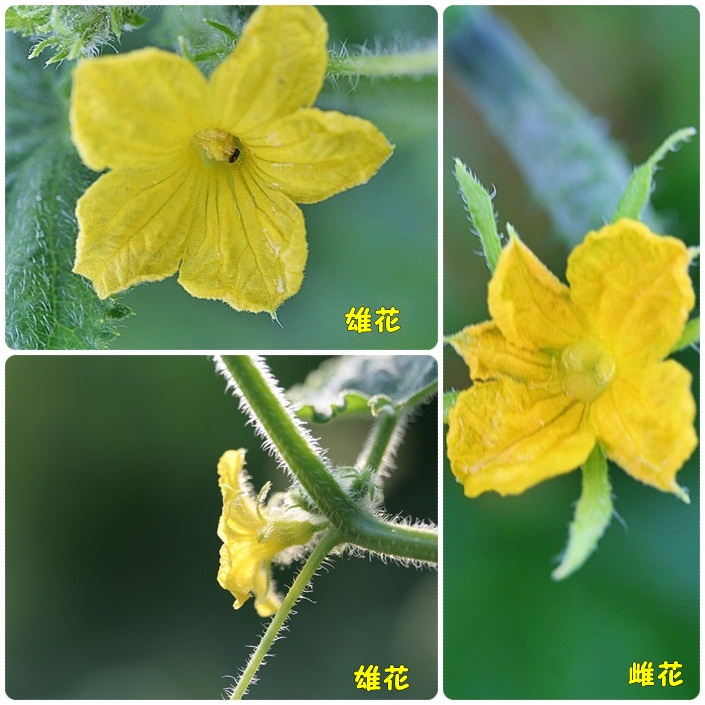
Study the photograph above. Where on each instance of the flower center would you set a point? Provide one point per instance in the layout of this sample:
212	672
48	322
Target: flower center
218	144
588	370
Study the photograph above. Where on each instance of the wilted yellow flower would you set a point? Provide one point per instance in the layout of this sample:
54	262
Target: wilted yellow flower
560	369
253	535
204	174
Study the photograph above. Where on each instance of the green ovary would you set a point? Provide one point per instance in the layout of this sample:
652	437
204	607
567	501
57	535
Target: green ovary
588	369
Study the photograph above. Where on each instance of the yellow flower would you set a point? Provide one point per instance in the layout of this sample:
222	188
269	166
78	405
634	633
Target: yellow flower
253	535
204	174
560	369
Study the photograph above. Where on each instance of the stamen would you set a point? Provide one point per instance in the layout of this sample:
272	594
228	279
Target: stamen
219	145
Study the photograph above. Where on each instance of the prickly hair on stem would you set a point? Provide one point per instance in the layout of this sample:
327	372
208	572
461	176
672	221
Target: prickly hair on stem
254	421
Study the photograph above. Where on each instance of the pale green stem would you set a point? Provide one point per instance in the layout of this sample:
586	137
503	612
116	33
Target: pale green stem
416	62
281	427
326	545
384	435
593	513
379	441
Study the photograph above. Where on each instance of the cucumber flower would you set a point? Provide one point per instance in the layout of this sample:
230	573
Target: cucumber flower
559	370
253	535
204	174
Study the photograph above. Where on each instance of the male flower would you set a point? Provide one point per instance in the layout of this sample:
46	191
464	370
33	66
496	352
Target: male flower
253	535
205	174
560	369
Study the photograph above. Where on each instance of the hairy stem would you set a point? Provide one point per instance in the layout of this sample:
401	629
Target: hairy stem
416	62
256	387
289	437
326	545
380	444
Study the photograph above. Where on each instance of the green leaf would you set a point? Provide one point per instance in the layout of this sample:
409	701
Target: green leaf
638	191
46	305
593	513
478	203
363	384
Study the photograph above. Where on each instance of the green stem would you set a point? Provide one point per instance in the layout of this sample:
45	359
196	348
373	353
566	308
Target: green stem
271	411
380	443
417	544
417	62
326	545
289	438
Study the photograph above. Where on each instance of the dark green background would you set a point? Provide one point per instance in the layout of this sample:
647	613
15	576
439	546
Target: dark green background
112	505
509	630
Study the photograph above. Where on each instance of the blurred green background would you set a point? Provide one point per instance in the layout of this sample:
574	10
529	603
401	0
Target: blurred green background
375	245
509	631
112	505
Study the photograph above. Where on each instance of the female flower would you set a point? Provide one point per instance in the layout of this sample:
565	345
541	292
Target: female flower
205	174
253	535
561	369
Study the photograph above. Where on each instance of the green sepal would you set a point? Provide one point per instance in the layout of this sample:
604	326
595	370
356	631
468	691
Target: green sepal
74	30
204	34
362	384
593	513
478	203
46	305
360	484
449	399
638	191
689	336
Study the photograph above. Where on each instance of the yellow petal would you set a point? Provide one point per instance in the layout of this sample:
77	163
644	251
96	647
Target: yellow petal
634	287
134	223
277	67
245	555
489	355
531	307
248	248
311	155
645	423
135	107
506	437
234	482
